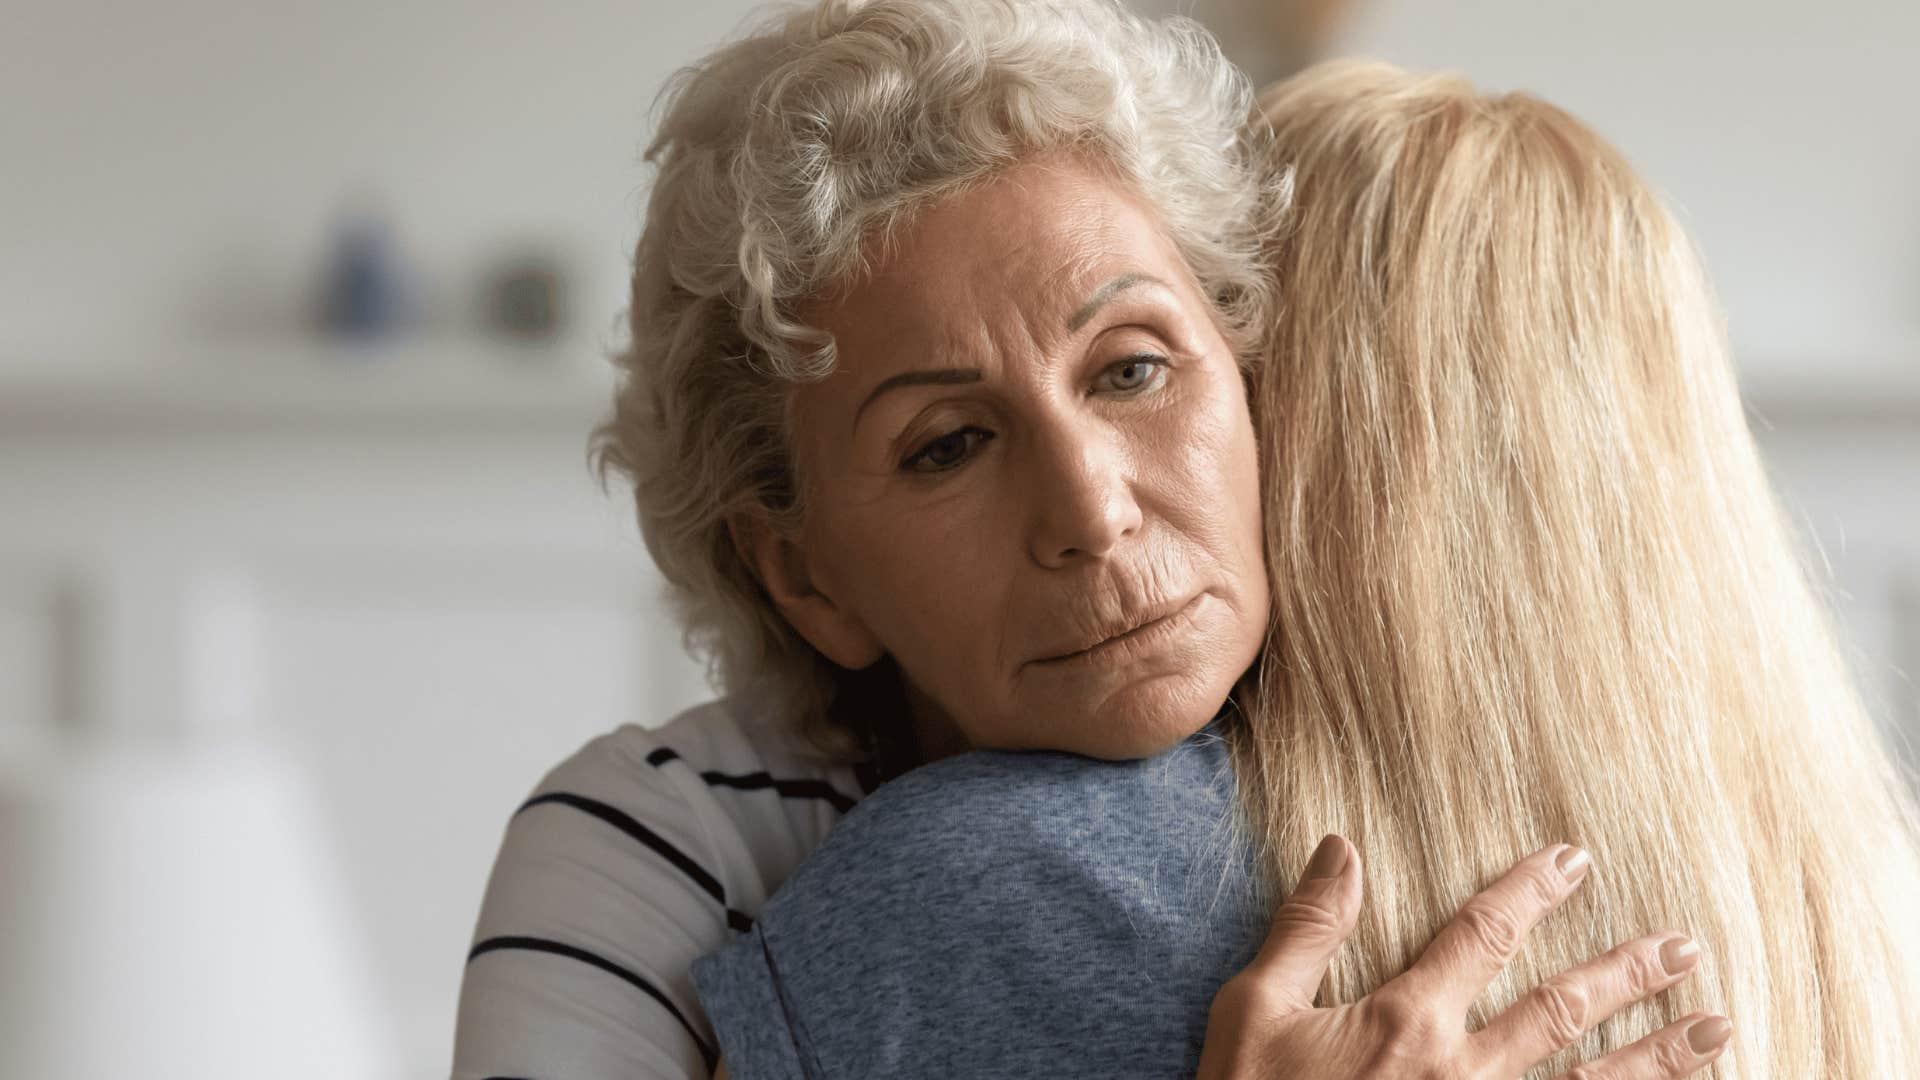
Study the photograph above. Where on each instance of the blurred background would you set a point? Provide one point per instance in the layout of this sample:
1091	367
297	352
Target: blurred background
304	312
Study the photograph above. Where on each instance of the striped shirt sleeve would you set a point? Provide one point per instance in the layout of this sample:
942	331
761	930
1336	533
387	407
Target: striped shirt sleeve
640	852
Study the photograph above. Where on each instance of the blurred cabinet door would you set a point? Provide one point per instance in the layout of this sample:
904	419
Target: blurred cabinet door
1848	472
427	611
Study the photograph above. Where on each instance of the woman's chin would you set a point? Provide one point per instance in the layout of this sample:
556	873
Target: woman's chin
1143	699
1144	718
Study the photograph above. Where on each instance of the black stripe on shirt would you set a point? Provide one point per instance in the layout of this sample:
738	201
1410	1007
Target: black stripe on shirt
623	821
620	819
755	781
574	952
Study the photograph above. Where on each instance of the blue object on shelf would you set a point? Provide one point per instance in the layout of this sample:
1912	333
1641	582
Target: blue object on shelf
366	290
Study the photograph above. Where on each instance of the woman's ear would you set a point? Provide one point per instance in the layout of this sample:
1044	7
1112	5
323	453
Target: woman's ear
780	562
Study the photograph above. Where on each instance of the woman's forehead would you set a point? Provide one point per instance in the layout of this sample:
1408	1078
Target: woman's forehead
1038	246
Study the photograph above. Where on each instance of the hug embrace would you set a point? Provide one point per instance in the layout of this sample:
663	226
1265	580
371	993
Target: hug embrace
1209	583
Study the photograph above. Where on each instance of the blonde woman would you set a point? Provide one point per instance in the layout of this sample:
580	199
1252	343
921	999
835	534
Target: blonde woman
1528	581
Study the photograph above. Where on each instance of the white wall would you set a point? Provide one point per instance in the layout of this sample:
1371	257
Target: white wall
1784	132
170	168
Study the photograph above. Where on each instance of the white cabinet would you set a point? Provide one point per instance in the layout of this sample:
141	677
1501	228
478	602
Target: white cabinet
399	566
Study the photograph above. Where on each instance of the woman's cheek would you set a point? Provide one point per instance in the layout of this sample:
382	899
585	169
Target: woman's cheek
922	562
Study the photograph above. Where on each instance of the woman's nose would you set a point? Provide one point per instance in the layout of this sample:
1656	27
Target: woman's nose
1082	498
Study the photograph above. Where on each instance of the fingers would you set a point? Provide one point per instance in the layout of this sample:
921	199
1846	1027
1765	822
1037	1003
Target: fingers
1679	1049
1309	928
1557	1012
1480	941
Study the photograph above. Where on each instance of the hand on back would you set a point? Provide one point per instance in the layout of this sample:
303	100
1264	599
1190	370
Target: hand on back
1263	1022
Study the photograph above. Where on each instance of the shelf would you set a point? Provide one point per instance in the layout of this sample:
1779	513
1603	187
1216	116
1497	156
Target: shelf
436	383
1878	390
482	383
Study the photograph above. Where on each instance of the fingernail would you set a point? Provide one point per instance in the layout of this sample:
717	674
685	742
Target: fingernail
1573	862
1708	1034
1328	860
1678	955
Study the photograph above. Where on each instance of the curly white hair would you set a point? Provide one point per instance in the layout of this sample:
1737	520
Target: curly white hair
782	154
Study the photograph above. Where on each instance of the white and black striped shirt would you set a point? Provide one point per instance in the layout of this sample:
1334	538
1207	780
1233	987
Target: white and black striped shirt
641	851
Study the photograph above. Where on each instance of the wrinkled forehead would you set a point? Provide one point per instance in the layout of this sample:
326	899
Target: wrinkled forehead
1022	253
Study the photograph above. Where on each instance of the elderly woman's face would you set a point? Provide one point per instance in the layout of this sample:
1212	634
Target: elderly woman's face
1031	478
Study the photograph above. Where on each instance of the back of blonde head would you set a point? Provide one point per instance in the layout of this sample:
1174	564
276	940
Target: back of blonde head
1531	585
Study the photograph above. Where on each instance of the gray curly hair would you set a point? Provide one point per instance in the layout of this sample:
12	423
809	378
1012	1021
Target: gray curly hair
780	156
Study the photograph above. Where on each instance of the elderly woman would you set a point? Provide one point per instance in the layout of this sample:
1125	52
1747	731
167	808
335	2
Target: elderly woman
990	486
936	418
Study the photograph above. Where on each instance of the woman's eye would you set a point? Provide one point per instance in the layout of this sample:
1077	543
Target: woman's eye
1135	373
946	451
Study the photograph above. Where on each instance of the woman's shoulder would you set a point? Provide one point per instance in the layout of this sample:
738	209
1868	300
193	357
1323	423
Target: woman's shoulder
726	735
982	807
752	797
696	815
983	783
973	865
639	851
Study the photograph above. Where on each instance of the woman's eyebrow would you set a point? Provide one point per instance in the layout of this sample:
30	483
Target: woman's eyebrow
959	376
1107	292
928	377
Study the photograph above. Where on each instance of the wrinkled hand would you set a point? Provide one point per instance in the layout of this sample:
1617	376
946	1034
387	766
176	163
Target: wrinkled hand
1263	1022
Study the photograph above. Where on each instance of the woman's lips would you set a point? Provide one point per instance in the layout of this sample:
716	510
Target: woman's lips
1145	635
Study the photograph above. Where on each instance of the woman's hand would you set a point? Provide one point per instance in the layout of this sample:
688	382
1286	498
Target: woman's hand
1263	1022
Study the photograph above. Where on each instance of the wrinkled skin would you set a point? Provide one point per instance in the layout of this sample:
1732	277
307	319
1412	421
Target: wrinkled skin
1088	466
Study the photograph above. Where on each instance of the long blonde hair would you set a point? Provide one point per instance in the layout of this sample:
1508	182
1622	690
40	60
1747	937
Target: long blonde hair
1531	585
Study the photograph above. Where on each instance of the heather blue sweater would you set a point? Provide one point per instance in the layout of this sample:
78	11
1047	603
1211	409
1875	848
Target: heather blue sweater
1000	914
